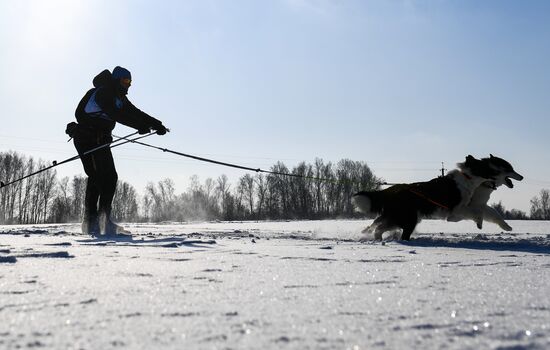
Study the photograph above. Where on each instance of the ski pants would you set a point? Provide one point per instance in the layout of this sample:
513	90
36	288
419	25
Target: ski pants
102	175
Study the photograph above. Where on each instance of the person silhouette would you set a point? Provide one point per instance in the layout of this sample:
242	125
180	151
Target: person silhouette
97	113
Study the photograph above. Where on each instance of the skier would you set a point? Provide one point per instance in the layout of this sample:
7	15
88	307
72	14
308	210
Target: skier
97	114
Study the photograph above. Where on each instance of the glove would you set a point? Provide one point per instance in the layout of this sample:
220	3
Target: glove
71	129
161	129
144	131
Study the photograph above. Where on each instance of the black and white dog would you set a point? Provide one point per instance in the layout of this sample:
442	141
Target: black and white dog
478	210
461	194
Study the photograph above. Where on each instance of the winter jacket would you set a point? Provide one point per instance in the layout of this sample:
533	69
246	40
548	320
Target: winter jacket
104	105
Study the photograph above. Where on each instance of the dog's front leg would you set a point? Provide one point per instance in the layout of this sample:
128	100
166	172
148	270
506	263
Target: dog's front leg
380	229
491	215
374	225
477	217
368	231
479	223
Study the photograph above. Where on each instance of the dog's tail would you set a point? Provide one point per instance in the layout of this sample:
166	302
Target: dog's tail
363	202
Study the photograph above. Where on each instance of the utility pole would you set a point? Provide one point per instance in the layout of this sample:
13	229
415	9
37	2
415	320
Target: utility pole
442	169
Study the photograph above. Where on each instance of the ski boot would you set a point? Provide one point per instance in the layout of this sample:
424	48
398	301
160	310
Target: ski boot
90	225
110	228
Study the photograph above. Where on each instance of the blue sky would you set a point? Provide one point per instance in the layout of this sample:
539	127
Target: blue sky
402	85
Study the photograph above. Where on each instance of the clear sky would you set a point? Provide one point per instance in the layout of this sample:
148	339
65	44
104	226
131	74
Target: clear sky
401	85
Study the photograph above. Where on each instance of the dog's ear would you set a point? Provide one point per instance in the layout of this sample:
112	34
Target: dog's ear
470	157
491	156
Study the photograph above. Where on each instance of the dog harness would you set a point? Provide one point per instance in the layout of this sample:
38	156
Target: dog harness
419	194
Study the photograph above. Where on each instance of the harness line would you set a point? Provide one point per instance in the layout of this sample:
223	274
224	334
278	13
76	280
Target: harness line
257	170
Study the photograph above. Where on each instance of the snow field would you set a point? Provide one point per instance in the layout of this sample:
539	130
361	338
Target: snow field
251	285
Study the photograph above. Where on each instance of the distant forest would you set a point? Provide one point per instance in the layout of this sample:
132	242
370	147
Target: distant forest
46	199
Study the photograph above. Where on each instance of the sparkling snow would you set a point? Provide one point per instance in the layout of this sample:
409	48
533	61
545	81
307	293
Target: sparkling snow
306	284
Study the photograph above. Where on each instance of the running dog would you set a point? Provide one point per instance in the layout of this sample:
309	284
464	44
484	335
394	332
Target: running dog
477	209
403	206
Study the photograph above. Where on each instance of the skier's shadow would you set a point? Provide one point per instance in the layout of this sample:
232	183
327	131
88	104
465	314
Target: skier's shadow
128	240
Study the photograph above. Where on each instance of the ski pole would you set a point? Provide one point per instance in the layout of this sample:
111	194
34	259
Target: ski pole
56	163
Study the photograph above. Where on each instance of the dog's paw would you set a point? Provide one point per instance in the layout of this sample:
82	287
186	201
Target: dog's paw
506	227
365	238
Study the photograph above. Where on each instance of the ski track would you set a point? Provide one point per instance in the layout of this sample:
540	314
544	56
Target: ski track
250	285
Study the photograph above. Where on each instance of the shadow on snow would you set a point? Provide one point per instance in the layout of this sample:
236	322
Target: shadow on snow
540	245
127	240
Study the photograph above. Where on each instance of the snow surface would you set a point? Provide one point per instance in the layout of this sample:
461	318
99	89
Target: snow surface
295	285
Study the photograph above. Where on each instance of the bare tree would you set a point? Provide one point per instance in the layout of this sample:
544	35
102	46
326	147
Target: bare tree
540	206
11	167
47	181
125	207
78	193
60	209
160	199
224	196
246	186
261	190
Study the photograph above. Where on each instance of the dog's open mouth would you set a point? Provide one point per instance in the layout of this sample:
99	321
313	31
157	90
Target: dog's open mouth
509	182
514	176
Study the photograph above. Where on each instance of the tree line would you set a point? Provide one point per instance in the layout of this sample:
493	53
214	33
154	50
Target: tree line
315	191
320	190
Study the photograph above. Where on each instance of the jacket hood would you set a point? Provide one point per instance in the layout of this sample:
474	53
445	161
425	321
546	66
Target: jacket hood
102	79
